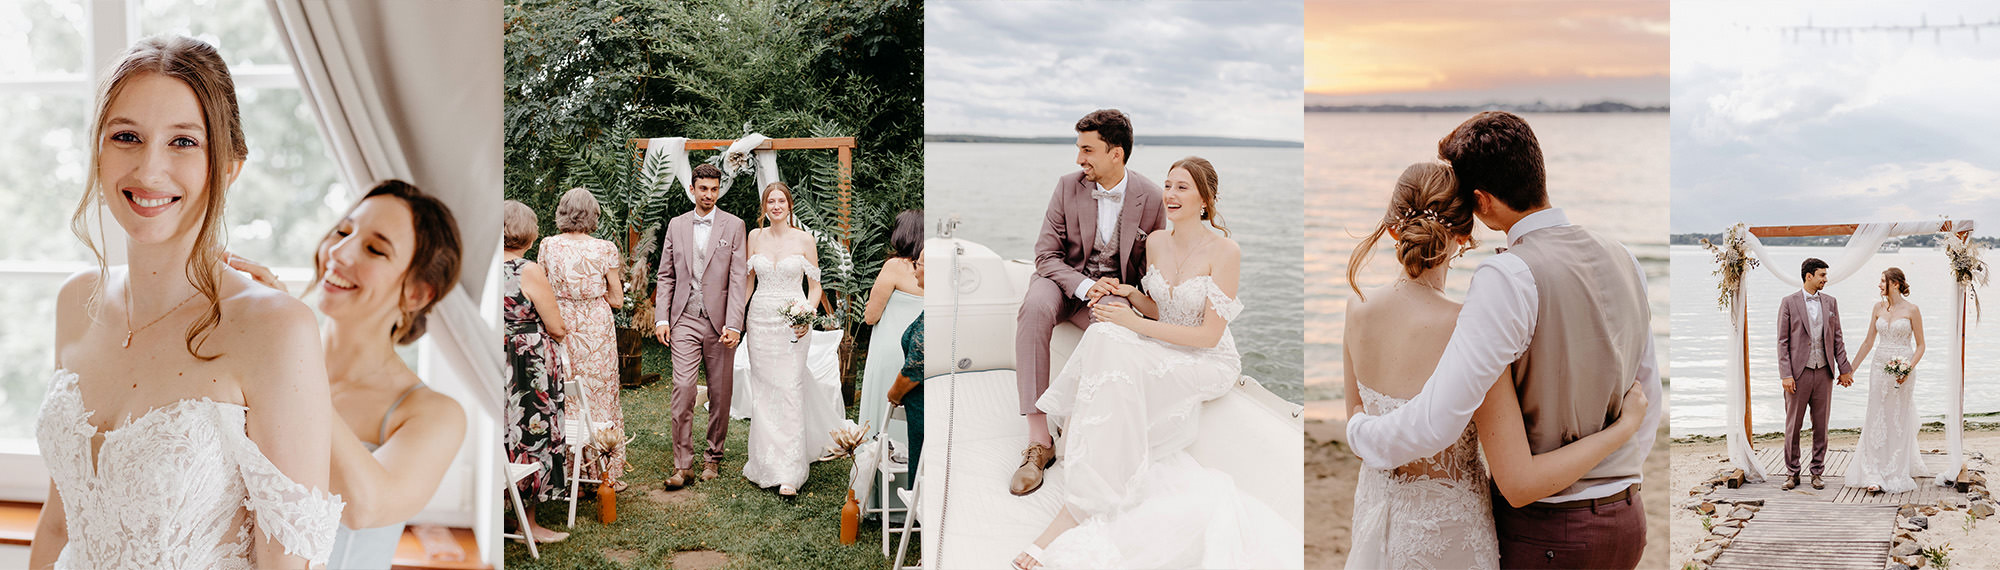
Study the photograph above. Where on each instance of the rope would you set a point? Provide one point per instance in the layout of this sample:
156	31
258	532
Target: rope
951	407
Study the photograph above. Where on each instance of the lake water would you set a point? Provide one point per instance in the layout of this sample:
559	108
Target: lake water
1701	339
1000	192
1608	172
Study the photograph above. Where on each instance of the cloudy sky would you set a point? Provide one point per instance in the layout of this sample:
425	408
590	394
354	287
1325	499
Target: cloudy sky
1479	51
1178	68
1776	127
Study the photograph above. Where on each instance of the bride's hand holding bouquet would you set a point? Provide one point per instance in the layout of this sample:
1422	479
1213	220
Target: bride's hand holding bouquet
1900	369
802	317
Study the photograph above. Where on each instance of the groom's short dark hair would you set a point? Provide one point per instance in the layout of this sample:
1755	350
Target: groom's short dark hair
1110	125
1812	264
707	171
1495	151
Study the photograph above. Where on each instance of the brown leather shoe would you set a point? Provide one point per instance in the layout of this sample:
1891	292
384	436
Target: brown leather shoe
1034	460
1790	482
678	480
1817	483
708	471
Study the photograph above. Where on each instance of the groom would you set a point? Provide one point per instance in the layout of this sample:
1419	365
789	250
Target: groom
698	313
1810	347
1093	239
1567	309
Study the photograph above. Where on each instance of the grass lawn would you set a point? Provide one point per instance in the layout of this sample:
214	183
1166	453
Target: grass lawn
724	523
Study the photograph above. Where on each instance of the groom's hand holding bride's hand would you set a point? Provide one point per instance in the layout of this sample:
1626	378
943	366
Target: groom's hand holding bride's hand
1120	314
730	337
1848	380
1103	286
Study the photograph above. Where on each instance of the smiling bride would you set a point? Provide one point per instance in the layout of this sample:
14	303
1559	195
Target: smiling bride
188	421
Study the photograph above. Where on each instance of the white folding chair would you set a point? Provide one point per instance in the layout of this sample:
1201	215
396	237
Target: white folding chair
886	470
515	473
909	497
577	432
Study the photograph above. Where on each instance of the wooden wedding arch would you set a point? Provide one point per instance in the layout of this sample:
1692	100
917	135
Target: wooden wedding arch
1961	228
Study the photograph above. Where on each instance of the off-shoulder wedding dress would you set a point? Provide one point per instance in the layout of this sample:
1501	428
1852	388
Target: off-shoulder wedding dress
1130	406
181	486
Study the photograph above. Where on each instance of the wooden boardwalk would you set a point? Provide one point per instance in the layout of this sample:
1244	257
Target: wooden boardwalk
1772	459
1839	527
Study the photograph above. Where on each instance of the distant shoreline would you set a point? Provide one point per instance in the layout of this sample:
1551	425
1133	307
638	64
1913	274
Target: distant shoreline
1157	140
1598	107
1929	427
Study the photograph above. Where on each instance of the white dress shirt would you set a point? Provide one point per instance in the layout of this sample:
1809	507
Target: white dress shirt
1493	331
1107	222
1817	356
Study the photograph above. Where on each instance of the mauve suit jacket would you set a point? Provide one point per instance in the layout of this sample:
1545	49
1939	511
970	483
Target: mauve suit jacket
722	280
1069	230
1795	335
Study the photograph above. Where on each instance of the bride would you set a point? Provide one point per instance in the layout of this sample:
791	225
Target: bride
789	420
188	424
1436	512
1886	459
1129	402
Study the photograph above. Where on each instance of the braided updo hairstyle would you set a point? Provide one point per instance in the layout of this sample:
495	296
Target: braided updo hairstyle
1428	216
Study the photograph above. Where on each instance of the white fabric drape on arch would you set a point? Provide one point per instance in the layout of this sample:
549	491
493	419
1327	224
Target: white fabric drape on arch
412	90
1863	244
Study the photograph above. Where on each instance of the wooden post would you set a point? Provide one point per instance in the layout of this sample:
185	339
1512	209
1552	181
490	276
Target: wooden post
1743	324
846	154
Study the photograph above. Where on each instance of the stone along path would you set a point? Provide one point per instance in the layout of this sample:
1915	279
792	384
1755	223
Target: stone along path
1761	526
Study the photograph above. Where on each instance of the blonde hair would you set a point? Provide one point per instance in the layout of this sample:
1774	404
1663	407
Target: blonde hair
1427	213
197	64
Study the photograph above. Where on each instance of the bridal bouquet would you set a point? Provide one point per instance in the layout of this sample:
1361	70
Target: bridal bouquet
1966	266
1898	368
1732	259
799	314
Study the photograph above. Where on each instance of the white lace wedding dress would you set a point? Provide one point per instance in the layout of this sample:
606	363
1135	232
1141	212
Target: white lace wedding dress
1886	456
1432	513
1129	406
790	419
181	486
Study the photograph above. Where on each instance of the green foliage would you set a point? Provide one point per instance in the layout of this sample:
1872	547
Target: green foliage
1938	556
584	76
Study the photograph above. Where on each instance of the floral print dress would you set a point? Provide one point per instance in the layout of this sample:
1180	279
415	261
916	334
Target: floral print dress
576	273
534	394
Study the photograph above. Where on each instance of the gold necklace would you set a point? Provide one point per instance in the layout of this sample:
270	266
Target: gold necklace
129	331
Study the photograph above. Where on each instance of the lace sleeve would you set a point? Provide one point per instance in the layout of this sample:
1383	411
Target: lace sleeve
1223	305
300	518
812	270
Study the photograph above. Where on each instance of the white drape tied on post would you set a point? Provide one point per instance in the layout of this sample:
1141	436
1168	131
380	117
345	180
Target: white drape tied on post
1738	437
673	150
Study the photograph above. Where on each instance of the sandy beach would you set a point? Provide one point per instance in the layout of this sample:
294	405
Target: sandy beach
1971	543
1330	475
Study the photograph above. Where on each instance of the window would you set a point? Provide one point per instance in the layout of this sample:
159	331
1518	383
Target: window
51	52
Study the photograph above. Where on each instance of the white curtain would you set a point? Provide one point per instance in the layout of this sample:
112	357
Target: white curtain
1954	380
412	90
1867	239
673	150
1740	453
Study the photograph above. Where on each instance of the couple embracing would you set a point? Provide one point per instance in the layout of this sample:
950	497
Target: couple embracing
709	264
1548	366
1150	274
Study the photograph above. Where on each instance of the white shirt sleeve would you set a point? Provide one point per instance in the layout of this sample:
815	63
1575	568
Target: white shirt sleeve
1493	330
1083	289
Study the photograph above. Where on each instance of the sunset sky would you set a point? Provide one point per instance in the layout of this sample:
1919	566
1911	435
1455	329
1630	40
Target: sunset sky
1471	52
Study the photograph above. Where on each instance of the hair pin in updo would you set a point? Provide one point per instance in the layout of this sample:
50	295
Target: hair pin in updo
1412	215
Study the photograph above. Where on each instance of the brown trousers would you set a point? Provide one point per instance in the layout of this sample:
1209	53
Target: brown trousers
1609	534
695	342
1812	392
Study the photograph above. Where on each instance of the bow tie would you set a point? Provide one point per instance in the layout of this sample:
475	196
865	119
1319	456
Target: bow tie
703	221
1812	297
1499	250
1108	195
